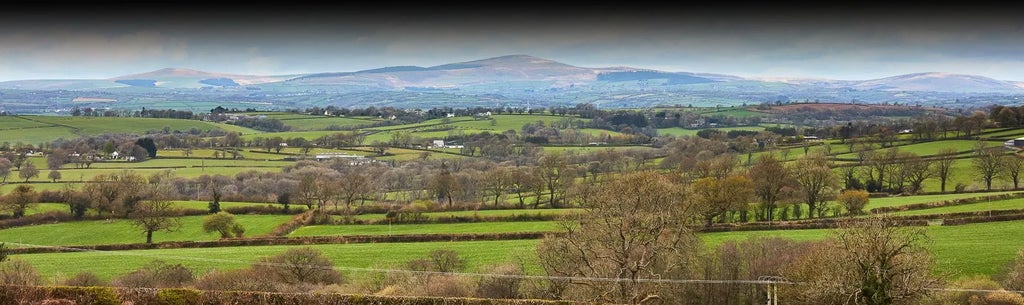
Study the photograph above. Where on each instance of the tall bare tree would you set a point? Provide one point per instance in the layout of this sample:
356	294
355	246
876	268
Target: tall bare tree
156	212
769	177
874	261
717	197
1013	165
634	227
816	180
19	199
986	163
916	170
944	165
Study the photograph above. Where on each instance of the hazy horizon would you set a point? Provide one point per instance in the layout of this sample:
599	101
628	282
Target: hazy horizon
851	43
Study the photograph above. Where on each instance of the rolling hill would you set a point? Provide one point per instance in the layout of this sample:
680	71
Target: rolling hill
513	80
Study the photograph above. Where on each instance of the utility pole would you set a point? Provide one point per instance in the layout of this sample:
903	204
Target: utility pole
773	288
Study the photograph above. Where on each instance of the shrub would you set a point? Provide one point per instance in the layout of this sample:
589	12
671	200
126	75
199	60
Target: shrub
236	280
178	296
297	266
1014	278
84	279
221	222
505	285
157	274
853	200
440	260
18	272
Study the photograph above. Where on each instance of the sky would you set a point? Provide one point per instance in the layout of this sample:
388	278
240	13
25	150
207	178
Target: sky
56	40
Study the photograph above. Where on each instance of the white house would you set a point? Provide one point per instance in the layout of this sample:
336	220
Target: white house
438	144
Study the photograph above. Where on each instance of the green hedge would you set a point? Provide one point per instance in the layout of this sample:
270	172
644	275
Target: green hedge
16	295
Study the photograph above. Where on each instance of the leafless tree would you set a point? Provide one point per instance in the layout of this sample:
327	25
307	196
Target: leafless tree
156	212
634	227
872	261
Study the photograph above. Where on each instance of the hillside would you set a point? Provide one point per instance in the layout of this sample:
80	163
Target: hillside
511	80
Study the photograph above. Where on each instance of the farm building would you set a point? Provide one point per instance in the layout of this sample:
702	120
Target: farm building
1015	143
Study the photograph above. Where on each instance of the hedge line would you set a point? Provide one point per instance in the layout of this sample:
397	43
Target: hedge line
987	218
825	223
946	203
16	295
304	240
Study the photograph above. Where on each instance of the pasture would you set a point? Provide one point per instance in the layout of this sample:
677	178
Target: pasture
440	228
973	249
347	258
121	231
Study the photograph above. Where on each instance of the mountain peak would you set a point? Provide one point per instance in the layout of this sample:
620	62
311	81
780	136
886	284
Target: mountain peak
171	72
515	59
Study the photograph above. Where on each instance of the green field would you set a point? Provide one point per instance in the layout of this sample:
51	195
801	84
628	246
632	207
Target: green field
974	249
37	135
960	250
960	172
346	257
906	200
74	127
484	213
170	163
933	148
76	175
321	123
1010	204
442	228
120	231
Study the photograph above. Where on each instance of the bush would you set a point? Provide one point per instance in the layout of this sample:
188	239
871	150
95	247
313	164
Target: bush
157	274
440	260
235	280
84	279
853	200
18	272
178	296
222	222
303	265
1014	278
443	286
965	296
503	286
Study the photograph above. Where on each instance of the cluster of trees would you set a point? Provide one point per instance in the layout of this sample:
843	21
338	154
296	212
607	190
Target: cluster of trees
635	228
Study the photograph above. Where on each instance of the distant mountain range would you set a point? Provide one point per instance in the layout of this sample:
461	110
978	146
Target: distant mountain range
522	78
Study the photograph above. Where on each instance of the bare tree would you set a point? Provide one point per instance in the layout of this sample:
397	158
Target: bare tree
5	169
873	261
299	265
28	171
1013	165
944	165
916	170
156	212
444	185
21	198
986	163
634	227
817	182
496	182
717	197
557	175
769	177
